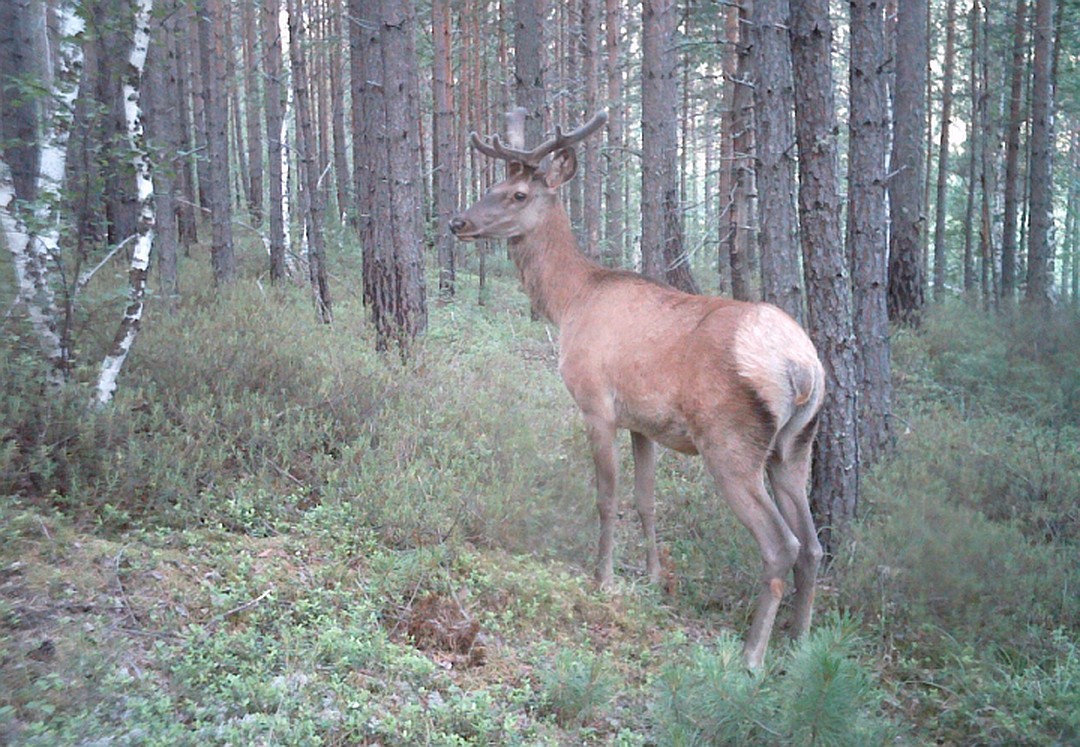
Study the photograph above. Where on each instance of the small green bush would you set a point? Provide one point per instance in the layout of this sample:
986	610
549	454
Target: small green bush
577	686
817	694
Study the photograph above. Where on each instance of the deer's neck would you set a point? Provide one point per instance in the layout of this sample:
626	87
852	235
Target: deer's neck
553	270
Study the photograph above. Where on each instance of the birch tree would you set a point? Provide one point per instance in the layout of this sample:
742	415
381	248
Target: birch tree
140	256
29	222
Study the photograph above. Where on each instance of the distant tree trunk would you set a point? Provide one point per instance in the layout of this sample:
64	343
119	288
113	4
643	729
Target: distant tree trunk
530	72
390	205
1012	152
312	197
187	209
163	132
1040	267
615	220
906	184
781	283
743	219
530	65
988	273
868	137
663	250
275	140
444	151
253	111
232	94
215	93
337	113
975	143
140	256
725	185
836	468
590	149
943	151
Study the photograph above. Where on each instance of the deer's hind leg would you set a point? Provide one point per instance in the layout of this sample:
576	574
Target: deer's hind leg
739	470
645	499
789	472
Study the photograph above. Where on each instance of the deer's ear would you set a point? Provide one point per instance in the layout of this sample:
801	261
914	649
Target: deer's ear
562	168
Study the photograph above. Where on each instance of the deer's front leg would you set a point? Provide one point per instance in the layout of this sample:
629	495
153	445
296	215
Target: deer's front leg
602	440
645	498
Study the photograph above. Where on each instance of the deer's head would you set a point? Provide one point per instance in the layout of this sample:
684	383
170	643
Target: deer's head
522	201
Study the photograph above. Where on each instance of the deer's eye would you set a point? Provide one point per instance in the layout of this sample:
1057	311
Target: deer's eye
520	196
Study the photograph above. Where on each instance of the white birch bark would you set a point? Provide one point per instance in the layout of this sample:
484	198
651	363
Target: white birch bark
283	138
140	260
33	243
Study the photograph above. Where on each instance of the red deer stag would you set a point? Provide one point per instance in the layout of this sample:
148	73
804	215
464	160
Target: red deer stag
739	383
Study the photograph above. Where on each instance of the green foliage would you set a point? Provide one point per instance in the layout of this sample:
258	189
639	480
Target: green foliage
965	561
819	694
577	686
275	535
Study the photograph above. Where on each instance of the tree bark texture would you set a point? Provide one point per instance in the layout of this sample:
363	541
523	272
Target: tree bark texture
663	253
942	206
1040	264
216	105
444	151
906	292
1010	227
253	118
836	469
275	139
390	203
868	137
781	282
312	197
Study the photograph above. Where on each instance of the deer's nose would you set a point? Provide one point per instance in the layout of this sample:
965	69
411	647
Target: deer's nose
457	224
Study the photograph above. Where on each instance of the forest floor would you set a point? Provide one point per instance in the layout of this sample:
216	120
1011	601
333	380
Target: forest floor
277	537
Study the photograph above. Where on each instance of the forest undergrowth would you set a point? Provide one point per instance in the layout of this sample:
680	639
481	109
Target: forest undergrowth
275	536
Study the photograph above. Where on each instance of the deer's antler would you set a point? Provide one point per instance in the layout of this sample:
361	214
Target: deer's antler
494	148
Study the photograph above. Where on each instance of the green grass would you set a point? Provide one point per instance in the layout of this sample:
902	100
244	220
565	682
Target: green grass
275	536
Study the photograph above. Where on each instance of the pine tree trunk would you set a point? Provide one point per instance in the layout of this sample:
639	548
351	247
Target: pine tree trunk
975	143
337	104
744	207
1040	267
215	92
781	283
836	468
943	151
530	65
163	132
389	205
271	39
663	249
253	111
590	149
868	136
615	220
906	184
444	155
186	42
1012	153
312	197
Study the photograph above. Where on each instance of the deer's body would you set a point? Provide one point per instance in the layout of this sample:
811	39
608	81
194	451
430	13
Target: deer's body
739	383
